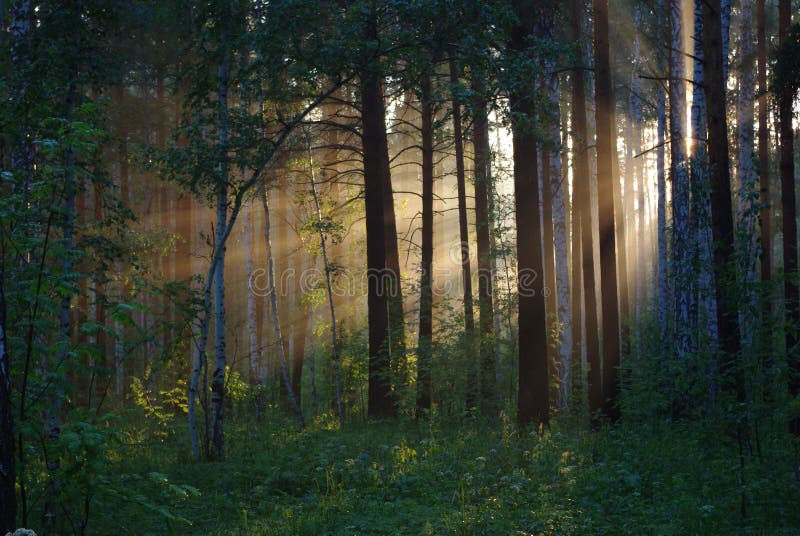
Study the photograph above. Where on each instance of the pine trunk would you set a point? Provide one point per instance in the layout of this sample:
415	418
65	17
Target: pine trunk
606	146
786	134
721	205
583	205
426	295
375	154
482	179
532	401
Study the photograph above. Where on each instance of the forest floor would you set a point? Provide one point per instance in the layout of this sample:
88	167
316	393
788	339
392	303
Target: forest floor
444	477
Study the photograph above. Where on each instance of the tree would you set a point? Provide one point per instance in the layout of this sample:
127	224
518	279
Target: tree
785	99
461	185
482	178
721	206
746	171
582	204
425	332
681	184
606	148
763	145
532	403
8	474
558	186
381	279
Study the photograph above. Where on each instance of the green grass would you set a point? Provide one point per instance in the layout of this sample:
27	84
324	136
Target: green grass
433	477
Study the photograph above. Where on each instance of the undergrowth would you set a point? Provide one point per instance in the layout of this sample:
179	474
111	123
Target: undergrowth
438	476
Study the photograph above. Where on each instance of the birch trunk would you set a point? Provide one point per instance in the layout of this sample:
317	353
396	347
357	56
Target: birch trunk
681	185
746	170
218	376
252	321
273	302
329	290
558	187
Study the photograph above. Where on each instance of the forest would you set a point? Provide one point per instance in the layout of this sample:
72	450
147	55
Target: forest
399	267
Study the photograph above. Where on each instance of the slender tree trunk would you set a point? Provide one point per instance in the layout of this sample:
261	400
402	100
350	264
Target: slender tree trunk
8	475
637	171
119	98
375	149
721	205
483	179
52	426
463	232
532	401
576	285
218	376
549	288
426	265
558	186
681	186
276	324
329	289
606	144
785	97
300	325
582	189
746	172
661	179
254	352
763	148
162	213
282	255
99	302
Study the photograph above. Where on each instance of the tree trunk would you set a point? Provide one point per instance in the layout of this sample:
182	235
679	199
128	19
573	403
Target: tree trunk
276	324
299	326
681	187
582	189
254	352
379	278
426	264
549	288
721	206
99	304
329	289
463	232
8	475
661	179
746	172
558	186
763	148
606	146
482	178
785	97
635	139
532	401
218	376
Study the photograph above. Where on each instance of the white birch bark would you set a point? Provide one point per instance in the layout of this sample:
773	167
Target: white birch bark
273	302
746	172
329	289
252	327
561	244
681	185
701	203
